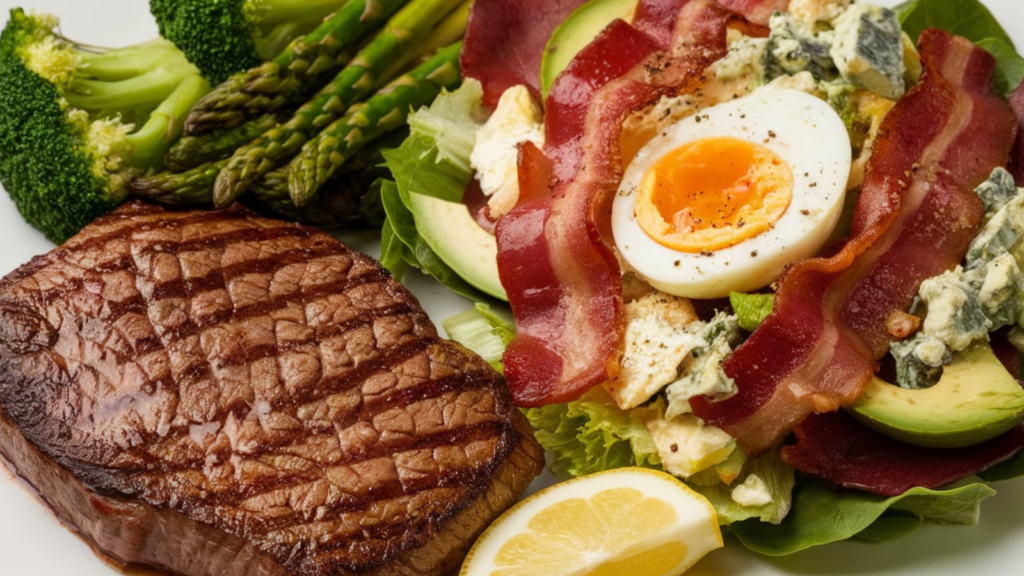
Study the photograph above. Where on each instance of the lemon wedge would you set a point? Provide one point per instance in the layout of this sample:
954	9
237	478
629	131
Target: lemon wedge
625	521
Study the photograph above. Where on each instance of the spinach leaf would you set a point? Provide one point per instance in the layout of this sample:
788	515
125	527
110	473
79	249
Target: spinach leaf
890	526
972	20
967	18
1009	70
824	513
1006	470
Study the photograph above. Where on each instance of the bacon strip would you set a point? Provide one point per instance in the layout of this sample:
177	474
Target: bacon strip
562	278
915	217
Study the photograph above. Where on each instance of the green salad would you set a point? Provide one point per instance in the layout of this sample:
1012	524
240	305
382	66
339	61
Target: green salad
768	506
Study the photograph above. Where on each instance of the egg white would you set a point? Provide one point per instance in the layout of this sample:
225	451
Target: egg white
802	130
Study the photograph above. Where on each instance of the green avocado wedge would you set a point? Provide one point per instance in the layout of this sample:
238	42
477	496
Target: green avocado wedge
576	32
976	399
450	231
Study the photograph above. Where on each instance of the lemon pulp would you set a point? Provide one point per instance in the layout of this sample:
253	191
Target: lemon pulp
624	522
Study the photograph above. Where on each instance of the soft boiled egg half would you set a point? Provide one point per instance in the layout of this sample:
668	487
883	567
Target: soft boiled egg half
723	200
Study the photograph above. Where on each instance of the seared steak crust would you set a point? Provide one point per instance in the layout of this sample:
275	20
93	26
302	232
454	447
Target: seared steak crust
219	393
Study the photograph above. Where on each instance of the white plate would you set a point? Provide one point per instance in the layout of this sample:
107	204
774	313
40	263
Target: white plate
33	542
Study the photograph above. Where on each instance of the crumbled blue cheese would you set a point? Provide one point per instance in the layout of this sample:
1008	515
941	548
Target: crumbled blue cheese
752	492
704	376
867	49
956	316
793	47
997	191
687	446
515	120
744	59
999	284
661	332
818	11
965	304
1002	233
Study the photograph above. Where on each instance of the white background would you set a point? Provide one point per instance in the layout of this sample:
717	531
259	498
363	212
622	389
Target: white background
33	542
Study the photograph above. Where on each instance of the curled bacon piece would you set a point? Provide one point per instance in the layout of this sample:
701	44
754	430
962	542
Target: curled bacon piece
915	217
756	11
562	278
505	41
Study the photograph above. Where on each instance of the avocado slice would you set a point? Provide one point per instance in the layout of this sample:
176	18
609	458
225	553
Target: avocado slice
975	399
577	31
452	233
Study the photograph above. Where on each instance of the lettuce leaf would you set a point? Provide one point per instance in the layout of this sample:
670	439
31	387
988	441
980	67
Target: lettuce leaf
434	161
483	329
776	474
592	434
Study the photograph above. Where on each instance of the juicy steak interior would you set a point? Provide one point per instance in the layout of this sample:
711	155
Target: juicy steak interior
219	393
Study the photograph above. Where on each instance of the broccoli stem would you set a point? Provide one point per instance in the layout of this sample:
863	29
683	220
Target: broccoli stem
408	27
131	82
323	156
105	98
151	141
120	63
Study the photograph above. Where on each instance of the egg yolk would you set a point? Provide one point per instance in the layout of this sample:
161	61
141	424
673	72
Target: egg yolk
713	193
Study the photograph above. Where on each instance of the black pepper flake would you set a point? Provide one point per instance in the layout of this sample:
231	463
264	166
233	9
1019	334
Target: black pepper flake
771	133
753	254
805	212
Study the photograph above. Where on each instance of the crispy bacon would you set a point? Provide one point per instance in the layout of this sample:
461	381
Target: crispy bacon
915	217
756	11
838	448
505	41
562	278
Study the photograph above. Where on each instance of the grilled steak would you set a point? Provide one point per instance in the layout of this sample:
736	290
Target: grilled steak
216	393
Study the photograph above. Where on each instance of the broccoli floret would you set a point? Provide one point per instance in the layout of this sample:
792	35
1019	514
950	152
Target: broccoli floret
222	37
77	123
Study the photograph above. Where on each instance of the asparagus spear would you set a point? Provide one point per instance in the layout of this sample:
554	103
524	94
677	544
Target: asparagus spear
191	151
294	74
408	27
193	187
351	199
321	157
